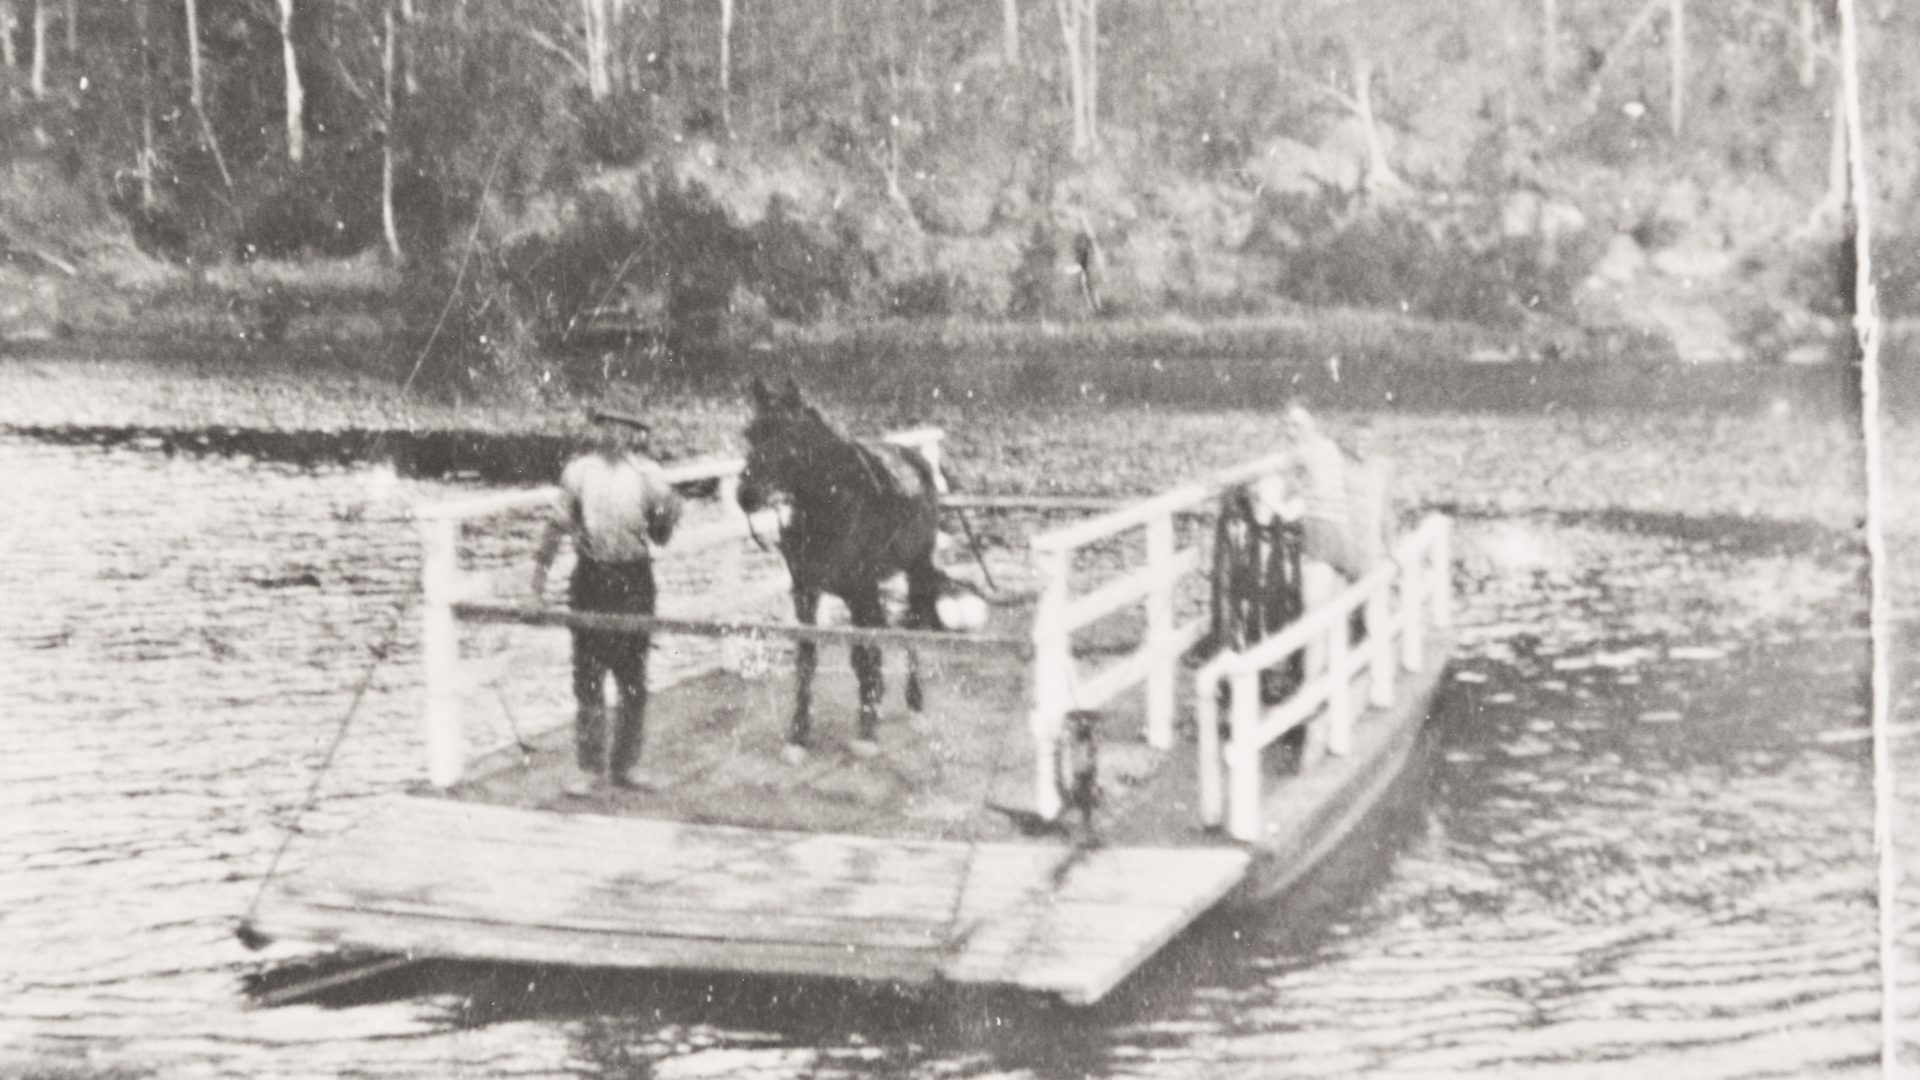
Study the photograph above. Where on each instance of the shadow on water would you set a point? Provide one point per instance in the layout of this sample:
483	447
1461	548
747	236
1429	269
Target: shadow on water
489	457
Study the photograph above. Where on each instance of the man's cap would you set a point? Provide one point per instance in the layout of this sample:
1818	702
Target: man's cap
614	416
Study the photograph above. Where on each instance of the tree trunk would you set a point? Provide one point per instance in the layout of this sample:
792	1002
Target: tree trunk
1010	32
7	23
409	71
1677	34
140	21
296	96
1809	45
37	81
617	48
1379	174
1550	44
196	95
1077	32
388	61
1091	28
73	28
726	67
599	77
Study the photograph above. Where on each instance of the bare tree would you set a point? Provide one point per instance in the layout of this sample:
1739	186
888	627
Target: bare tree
1550	44
597	33
726	67
147	152
296	96
1079	29
37	81
196	92
389	226
1809	44
1677	55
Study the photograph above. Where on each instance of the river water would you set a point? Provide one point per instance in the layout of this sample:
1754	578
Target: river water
1639	842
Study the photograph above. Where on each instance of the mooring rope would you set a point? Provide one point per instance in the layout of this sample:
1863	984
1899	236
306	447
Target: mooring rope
247	934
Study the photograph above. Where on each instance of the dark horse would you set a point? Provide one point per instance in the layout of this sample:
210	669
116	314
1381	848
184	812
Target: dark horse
856	515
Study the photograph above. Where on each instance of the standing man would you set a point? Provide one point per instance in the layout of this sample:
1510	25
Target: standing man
617	505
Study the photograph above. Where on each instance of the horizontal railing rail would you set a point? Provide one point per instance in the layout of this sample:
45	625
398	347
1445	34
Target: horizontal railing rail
450	593
935	640
1419	569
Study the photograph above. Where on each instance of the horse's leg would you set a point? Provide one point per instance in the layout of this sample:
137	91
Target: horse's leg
865	607
806	611
923	613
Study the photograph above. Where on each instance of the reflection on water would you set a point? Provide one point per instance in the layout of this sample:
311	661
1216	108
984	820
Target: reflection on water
1633	849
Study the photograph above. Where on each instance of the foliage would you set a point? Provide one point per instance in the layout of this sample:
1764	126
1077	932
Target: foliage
1444	265
913	105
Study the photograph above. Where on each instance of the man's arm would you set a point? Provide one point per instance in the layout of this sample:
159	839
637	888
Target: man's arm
559	526
544	555
663	510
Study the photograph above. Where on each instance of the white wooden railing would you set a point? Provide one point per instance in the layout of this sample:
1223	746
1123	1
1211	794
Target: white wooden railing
445	585
1058	687
1400	598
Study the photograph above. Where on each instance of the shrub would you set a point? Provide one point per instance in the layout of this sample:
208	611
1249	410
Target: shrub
1440	264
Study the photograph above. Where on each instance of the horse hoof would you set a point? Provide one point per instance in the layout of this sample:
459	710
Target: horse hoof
865	748
793	754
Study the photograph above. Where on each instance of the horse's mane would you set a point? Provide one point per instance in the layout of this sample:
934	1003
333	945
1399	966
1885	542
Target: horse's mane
793	419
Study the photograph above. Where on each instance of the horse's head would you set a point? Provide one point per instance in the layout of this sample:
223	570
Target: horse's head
783	438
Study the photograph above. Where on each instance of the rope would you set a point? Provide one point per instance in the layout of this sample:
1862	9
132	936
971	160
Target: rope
247	933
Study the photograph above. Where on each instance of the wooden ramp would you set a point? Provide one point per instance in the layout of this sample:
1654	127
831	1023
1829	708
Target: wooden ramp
471	881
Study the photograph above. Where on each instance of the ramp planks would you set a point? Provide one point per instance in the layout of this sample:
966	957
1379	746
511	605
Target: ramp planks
468	880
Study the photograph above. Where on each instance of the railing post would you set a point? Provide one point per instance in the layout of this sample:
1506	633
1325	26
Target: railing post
1441	585
1052	676
930	449
1339	713
1381	668
440	649
1166	665
1243	810
1318	581
736	654
1206	711
1413	610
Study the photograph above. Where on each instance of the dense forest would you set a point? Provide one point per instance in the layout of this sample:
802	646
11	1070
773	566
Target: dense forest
514	170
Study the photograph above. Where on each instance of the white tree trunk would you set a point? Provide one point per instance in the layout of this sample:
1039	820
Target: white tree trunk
389	226
8	20
146	105
196	94
726	66
1077	31
1010	32
1379	173
596	19
296	96
37	81
409	71
1809	45
1550	44
1090	26
1677	103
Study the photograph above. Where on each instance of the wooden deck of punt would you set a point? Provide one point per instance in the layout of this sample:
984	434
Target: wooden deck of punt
886	868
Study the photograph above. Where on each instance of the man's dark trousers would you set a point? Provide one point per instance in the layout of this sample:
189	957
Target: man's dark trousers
627	589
